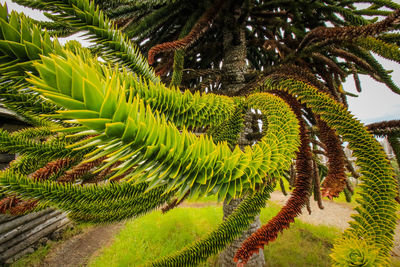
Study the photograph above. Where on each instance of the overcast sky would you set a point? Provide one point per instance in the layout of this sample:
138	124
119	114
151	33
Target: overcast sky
376	102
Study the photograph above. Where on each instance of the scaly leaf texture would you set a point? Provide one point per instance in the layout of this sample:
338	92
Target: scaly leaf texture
300	195
153	20
390	38
26	164
389	51
223	235
130	131
51	168
93	203
385	128
19	144
21	42
85	15
378	68
335	180
35	4
350	32
145	4
80	170
185	109
387	3
395	144
369	239
16	96
229	130
16	206
347	14
33	132
56	29
201	26
179	55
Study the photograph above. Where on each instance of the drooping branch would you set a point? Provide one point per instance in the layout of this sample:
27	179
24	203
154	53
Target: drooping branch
16	206
385	128
50	168
297	201
286	70
80	170
201	26
353	58
333	66
335	180
350	32
316	182
364	229
174	203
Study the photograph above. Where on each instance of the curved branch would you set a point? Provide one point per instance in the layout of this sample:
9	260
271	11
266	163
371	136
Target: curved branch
351	32
201	26
384	128
370	236
297	201
335	180
52	167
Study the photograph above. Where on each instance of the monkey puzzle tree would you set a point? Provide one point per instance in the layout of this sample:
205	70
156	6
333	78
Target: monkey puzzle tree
150	138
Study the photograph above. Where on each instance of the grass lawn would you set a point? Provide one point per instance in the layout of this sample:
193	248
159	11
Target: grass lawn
156	235
35	258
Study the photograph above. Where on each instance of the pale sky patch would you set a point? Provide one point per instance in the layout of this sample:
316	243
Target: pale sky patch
376	102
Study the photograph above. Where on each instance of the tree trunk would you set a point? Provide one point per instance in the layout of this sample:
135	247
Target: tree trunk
233	69
226	257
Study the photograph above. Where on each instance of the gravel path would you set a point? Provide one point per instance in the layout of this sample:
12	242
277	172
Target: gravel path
334	214
79	249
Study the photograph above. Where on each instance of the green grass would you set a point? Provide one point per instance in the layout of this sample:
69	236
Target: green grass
301	245
342	197
395	263
156	235
209	199
35	258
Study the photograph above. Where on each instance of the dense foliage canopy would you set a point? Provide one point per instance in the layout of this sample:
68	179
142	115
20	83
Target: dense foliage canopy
113	138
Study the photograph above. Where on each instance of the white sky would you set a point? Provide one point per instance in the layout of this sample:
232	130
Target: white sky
375	103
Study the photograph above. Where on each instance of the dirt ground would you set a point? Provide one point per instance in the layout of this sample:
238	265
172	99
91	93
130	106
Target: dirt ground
78	250
334	214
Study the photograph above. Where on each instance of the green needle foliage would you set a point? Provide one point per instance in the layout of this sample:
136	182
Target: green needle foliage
111	140
378	190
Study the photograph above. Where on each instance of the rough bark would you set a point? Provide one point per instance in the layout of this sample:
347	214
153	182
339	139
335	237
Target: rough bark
234	43
226	257
233	69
